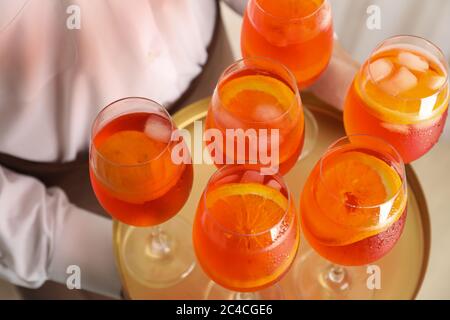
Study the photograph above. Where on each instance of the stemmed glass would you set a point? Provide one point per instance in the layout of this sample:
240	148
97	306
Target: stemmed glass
299	34
255	101
137	181
246	233
401	94
353	210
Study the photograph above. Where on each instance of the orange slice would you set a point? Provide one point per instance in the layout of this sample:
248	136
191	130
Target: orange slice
132	167
358	195
360	179
262	102
246	211
283	34
257	97
247	208
130	148
290	9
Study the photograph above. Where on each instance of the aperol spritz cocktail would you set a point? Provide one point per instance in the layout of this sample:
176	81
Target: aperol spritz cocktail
137	182
132	172
353	205
246	231
298	33
256	100
401	94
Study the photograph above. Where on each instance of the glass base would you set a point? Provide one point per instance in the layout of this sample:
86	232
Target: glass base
159	256
318	279
216	292
311	133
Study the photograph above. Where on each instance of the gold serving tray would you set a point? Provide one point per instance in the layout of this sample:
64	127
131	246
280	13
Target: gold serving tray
403	269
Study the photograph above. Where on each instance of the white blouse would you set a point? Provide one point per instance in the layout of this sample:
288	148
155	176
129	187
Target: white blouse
54	79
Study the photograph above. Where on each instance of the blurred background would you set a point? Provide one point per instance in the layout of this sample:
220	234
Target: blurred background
429	19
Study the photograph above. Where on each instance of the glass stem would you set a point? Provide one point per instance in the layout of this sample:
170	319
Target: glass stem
246	296
336	278
160	245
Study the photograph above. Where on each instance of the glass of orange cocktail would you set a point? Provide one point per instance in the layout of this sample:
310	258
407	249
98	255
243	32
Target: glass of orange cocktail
137	182
353	210
259	96
246	233
401	94
297	33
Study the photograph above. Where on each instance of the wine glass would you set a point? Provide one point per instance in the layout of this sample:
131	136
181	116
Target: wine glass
299	34
246	233
257	109
401	94
138	182
353	210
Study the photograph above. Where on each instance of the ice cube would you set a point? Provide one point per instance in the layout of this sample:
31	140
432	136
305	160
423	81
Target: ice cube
435	82
401	81
396	128
226	119
380	69
158	128
252	176
412	61
279	35
274	184
267	112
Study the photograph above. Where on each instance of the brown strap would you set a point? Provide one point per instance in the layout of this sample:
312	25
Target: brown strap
38	169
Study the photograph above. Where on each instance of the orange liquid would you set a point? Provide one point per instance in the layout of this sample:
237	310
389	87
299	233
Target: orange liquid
251	262
239	102
147	188
305	46
361	252
338	209
410	115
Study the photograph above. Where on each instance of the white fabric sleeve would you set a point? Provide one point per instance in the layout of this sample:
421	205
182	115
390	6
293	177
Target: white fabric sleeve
237	5
42	234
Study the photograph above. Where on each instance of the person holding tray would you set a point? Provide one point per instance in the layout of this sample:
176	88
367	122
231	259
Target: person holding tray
58	66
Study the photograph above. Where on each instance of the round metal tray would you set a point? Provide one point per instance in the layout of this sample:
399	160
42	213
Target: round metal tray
403	269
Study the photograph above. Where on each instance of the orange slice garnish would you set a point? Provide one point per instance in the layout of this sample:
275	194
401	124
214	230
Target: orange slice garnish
256	97
134	167
246	208
253	218
357	196
290	9
130	148
262	102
